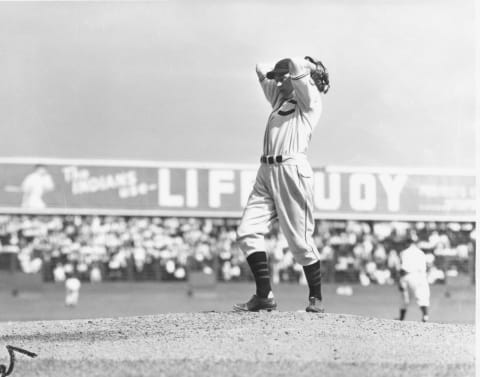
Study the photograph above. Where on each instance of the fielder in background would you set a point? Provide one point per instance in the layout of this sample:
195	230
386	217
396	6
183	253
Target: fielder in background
413	279
72	290
283	189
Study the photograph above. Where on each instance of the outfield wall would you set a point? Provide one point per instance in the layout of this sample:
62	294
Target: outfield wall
68	186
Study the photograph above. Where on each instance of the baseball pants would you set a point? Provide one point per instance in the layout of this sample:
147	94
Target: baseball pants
282	192
415	284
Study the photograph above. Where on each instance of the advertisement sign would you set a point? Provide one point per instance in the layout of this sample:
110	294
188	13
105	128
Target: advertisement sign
221	190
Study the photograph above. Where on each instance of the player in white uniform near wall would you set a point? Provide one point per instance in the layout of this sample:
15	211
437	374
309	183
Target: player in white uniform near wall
413	280
72	290
283	190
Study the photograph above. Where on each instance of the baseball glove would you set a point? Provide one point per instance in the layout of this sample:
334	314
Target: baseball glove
319	75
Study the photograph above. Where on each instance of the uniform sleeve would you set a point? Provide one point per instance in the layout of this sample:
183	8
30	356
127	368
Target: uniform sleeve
270	89
305	89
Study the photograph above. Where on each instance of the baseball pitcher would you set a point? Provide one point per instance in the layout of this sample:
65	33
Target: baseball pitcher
283	190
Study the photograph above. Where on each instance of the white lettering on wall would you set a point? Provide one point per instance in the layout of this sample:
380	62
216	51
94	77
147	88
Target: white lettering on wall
327	199
83	182
165	198
192	188
219	182
393	185
437	191
363	192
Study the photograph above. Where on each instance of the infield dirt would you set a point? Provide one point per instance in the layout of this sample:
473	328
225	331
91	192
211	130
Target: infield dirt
240	344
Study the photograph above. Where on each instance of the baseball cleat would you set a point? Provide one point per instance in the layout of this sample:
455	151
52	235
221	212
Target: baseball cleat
256	304
315	306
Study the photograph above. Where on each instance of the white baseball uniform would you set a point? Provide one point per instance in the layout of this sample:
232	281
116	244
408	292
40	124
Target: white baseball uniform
72	287
283	190
414	263
34	186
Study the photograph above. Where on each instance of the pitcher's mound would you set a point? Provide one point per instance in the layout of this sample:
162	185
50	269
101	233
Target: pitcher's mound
241	344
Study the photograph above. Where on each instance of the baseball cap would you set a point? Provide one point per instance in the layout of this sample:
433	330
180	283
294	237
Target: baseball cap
281	68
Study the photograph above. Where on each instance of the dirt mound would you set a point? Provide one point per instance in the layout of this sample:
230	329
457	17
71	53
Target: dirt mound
238	344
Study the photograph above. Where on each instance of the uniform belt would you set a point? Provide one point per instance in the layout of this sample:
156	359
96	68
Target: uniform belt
278	159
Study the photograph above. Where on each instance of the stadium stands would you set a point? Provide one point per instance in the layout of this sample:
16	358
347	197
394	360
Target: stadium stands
100	248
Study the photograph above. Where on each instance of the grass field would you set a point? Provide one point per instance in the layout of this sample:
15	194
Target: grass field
453	303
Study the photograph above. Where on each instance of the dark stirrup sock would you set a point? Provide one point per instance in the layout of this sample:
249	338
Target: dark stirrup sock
259	266
314	280
424	310
402	314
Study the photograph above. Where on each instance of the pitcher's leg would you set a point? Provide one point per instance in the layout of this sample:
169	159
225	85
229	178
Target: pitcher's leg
256	221
295	213
294	204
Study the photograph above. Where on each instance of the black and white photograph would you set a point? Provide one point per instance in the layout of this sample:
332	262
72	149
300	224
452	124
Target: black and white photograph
239	188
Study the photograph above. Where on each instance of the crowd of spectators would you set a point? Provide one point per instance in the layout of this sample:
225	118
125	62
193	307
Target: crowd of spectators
98	248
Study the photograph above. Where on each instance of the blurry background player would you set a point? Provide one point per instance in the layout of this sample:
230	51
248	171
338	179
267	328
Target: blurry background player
413	279
72	289
283	189
34	186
